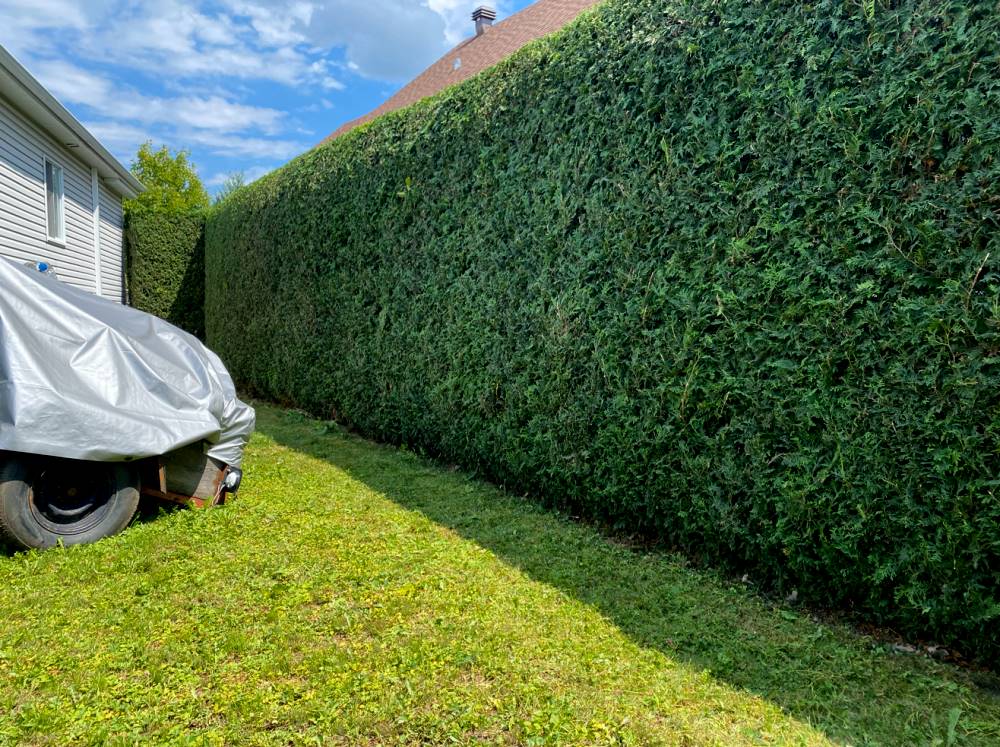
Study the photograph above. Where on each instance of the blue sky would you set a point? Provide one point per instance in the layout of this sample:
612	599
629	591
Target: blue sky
244	85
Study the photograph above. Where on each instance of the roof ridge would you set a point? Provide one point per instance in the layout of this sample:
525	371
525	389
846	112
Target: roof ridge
481	51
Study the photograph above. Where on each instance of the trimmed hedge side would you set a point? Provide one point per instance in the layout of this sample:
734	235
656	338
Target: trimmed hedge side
165	266
724	272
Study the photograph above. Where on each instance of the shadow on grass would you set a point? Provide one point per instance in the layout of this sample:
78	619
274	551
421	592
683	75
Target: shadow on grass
842	683
151	509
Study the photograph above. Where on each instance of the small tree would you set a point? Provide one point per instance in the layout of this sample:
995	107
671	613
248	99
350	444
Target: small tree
233	182
164	239
171	181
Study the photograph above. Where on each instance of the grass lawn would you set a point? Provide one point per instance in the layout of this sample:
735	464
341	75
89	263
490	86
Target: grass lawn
356	594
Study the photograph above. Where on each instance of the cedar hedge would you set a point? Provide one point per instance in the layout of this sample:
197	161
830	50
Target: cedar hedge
724	272
165	265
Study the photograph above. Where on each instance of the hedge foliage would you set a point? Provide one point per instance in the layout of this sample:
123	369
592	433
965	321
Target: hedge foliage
165	265
726	272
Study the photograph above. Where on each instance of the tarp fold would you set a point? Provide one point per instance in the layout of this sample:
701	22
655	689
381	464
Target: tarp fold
86	378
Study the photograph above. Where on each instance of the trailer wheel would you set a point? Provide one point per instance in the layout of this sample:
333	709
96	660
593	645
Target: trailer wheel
47	500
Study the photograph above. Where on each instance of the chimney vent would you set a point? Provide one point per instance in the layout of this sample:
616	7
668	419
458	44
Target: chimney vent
484	16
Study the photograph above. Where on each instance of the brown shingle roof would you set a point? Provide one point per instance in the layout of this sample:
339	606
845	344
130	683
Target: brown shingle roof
478	53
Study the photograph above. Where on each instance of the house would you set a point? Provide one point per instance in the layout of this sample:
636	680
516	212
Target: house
61	191
491	44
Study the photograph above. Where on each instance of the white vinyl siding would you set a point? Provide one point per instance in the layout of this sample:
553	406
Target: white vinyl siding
24	230
112	246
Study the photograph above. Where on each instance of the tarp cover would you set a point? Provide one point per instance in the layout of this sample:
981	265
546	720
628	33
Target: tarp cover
86	378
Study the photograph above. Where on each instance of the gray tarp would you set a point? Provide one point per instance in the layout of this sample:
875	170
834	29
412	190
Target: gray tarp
85	378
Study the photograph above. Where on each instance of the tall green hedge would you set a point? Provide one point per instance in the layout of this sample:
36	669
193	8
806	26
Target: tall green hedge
165	265
725	272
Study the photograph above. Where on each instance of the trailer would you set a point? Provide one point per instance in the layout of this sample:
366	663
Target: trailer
101	404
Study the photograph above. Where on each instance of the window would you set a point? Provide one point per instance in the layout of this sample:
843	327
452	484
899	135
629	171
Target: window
54	201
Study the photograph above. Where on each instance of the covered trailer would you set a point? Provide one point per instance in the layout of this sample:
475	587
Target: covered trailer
100	403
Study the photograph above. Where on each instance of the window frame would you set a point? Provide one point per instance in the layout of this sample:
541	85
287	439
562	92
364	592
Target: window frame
59	175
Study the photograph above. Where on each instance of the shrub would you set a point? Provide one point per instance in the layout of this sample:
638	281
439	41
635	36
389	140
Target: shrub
724	272
171	181
165	266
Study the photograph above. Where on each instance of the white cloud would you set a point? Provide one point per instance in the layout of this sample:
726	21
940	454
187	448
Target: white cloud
193	67
127	117
36	14
457	15
320	69
194	39
23	23
387	40
74	84
78	86
317	106
121	139
249	175
214	114
226	144
276	27
288	41
167	36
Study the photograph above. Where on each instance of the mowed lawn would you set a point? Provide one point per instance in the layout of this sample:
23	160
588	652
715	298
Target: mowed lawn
357	594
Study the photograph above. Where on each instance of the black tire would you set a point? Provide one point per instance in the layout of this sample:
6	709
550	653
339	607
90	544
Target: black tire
47	500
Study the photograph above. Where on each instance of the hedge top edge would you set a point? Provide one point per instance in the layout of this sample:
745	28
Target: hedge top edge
722	272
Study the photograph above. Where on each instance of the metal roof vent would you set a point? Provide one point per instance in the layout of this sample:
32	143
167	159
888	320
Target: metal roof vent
484	16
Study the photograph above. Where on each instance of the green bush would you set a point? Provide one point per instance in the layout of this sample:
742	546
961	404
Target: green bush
724	272
165	265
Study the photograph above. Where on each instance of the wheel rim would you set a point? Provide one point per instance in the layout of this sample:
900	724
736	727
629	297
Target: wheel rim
70	499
